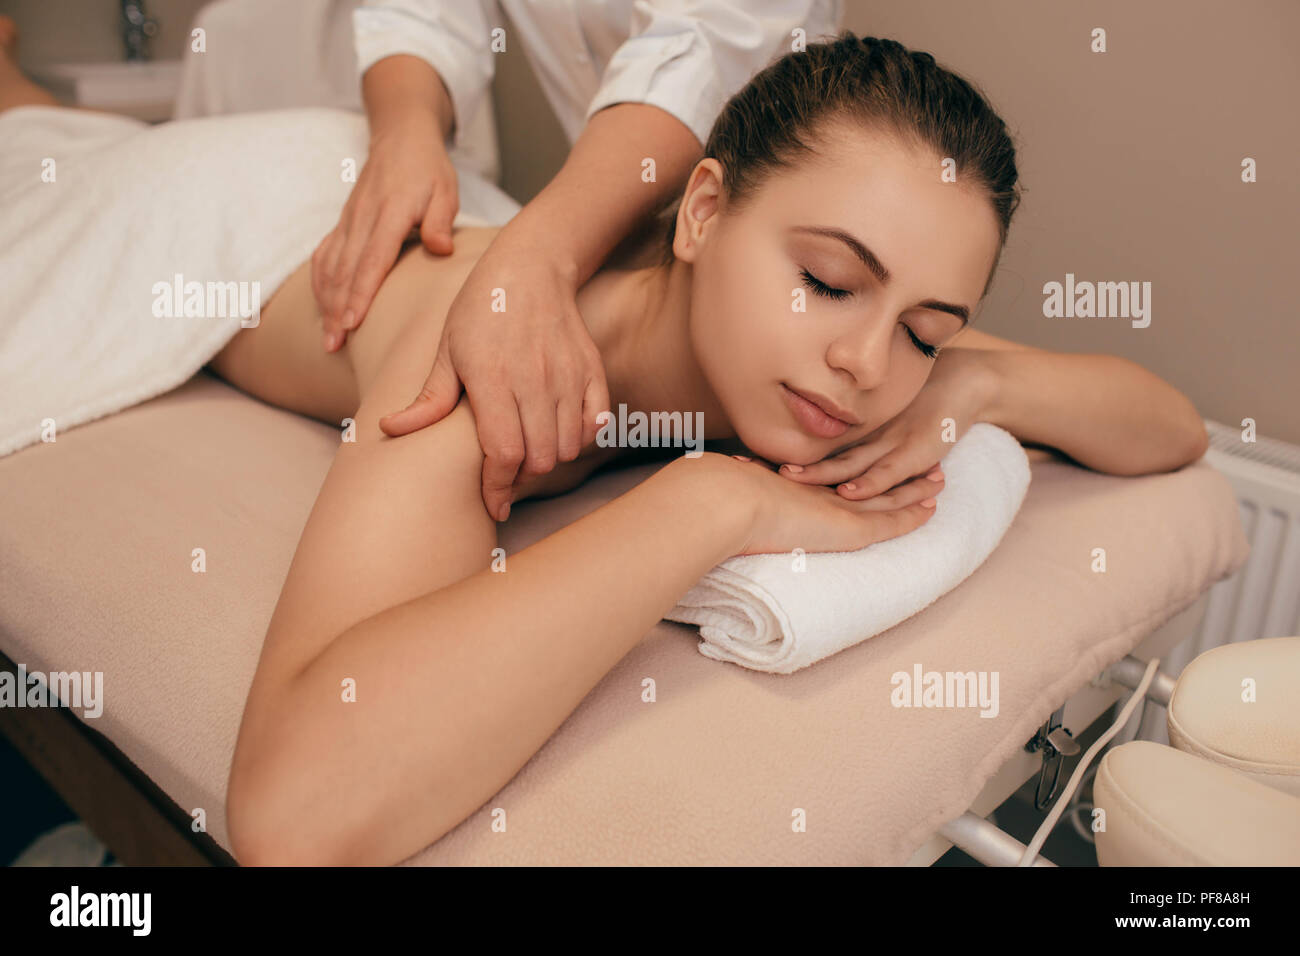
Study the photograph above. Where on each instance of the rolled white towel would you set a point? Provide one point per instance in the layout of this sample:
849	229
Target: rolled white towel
759	611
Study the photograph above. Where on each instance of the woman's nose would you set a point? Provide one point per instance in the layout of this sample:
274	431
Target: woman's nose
864	354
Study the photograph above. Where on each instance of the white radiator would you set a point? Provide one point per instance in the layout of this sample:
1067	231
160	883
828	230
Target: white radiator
1263	598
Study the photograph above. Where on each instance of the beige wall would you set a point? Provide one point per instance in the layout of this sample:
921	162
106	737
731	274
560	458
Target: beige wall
1130	162
534	144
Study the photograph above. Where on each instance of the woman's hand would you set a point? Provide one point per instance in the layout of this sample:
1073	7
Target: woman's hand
787	515
959	387
534	378
408	178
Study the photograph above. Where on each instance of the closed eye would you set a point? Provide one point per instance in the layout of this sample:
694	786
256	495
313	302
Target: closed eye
818	287
821	288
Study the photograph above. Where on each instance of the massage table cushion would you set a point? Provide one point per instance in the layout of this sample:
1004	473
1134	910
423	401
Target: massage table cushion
726	765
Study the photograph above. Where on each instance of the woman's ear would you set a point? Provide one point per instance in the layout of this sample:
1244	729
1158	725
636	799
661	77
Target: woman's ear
697	213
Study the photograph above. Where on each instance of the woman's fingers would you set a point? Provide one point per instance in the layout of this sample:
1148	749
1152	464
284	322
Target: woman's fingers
889	472
886	516
815	518
845	466
861	473
908	493
884	525
856	528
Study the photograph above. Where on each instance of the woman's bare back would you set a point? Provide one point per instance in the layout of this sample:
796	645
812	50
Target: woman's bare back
282	361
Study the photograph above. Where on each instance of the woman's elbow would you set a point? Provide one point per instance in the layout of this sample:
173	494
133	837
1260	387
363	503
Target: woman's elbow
265	831
1200	441
258	836
284	807
1185	453
267	817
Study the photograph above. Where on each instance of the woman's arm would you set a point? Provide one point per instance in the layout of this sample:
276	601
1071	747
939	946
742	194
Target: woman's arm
1105	412
459	687
460	673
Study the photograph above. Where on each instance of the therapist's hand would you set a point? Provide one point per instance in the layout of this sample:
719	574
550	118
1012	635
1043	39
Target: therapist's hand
408	178
961	386
534	377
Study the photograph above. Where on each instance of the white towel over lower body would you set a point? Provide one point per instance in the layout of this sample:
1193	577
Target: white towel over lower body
98	209
778	612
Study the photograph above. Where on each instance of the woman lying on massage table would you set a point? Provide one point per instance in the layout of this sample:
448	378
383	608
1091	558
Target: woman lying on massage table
815	264
844	224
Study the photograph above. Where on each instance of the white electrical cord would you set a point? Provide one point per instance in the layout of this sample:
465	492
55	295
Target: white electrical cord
1139	695
1077	803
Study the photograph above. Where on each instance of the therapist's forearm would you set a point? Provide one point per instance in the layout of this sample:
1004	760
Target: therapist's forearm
599	194
1104	411
403	89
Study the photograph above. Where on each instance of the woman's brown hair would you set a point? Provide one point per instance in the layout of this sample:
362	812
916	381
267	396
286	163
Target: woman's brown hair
878	83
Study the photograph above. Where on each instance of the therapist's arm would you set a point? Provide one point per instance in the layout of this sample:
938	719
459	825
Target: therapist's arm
533	375
404	90
600	187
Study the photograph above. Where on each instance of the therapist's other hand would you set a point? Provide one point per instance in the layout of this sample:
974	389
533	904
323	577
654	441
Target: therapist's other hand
408	178
534	377
911	443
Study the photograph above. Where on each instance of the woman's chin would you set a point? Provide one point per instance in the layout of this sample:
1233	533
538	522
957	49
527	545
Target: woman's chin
788	448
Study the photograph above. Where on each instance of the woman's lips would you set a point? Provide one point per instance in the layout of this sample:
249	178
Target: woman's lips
811	417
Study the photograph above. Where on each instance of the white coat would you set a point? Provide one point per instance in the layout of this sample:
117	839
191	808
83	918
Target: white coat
686	57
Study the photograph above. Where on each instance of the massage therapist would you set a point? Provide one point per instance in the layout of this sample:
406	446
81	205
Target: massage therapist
629	81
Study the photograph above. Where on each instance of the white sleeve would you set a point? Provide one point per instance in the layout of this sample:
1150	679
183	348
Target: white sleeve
451	35
688	57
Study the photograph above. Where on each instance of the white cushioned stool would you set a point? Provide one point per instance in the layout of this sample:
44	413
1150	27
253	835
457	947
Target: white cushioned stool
1227	792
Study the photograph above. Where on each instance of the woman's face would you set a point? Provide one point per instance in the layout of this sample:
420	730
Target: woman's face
850	351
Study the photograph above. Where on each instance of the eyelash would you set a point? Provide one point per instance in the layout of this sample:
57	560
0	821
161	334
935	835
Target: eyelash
821	288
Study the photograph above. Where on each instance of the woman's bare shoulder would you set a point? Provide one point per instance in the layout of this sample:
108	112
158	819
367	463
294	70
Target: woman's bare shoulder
419	288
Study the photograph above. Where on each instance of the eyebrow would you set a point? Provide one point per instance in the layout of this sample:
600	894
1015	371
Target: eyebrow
878	269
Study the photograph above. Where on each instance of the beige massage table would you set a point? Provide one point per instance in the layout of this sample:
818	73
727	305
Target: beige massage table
96	535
